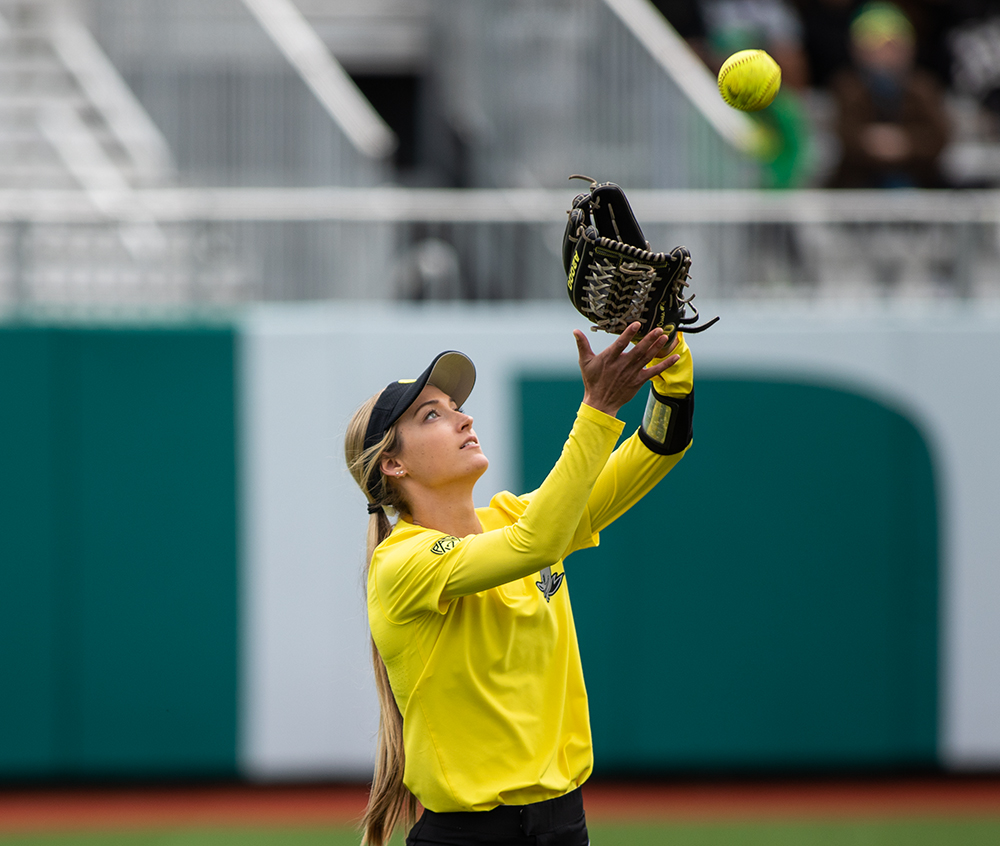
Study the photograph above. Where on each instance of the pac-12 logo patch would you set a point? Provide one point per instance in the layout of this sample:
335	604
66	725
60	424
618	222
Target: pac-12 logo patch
549	583
442	545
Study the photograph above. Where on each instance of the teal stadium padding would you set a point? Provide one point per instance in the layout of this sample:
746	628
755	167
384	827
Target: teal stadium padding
118	555
773	604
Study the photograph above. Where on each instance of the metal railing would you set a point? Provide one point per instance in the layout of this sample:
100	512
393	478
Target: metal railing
190	247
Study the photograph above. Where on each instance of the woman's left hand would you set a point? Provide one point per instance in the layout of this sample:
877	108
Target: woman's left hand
614	376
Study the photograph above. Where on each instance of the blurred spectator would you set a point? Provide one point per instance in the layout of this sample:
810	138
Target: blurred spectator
826	27
774	26
891	119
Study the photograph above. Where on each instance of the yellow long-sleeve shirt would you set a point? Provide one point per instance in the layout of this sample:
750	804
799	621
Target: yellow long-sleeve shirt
477	633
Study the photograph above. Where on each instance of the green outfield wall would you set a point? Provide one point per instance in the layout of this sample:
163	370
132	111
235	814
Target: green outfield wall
774	602
118	556
814	588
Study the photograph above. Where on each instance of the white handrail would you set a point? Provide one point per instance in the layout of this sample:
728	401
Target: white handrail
543	207
674	55
325	76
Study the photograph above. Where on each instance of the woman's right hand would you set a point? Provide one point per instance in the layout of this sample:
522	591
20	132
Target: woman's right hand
612	377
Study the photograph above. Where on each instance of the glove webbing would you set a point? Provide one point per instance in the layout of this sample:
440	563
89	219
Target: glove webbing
613	314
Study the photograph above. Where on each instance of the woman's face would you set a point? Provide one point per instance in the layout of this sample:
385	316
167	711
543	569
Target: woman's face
439	448
889	55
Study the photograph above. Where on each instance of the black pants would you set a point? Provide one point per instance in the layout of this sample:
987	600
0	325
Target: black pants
555	822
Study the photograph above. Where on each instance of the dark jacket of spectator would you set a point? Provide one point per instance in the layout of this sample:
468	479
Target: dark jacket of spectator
915	111
892	120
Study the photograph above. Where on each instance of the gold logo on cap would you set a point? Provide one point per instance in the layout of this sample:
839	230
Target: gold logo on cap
406	381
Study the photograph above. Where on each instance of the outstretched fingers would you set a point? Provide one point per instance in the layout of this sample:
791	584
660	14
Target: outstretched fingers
657	369
613	377
651	346
625	338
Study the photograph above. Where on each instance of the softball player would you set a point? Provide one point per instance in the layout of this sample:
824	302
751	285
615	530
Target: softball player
484	714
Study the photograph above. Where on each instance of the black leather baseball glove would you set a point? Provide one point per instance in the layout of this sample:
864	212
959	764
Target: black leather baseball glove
613	276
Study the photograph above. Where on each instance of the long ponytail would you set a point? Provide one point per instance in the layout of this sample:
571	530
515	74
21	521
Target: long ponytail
390	803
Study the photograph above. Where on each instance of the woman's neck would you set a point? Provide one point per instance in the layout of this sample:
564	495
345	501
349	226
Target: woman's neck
456	517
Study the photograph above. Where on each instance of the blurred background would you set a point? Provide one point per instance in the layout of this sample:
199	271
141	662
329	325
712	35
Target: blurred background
225	223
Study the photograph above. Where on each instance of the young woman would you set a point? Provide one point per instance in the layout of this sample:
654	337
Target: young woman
484	714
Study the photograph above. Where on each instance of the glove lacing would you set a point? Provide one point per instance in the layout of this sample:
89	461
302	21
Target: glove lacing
678	285
644	276
598	289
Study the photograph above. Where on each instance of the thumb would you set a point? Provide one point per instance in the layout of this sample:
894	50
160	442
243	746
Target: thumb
583	347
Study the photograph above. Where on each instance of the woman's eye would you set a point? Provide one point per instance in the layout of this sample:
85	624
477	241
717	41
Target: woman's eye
431	413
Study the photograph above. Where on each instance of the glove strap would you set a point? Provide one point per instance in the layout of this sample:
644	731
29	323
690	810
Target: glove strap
667	424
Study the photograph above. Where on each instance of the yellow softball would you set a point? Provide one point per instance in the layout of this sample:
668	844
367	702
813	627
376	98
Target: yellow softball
749	80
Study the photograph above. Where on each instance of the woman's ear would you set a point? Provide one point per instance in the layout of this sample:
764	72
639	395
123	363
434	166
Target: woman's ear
390	466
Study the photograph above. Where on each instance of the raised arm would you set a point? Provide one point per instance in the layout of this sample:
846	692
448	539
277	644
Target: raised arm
642	461
417	581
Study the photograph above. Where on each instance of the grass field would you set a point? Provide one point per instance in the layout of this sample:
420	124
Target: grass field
917	832
924	813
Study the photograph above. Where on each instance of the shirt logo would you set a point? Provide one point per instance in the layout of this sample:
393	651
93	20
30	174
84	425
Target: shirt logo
550	582
442	545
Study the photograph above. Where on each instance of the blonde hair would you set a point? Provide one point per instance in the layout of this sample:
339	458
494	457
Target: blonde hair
390	803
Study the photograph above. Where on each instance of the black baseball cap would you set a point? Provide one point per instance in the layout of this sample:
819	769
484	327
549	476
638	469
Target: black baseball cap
451	371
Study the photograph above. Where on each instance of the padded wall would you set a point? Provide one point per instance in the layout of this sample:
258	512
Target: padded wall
118	555
774	602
